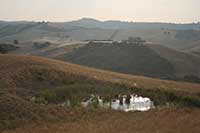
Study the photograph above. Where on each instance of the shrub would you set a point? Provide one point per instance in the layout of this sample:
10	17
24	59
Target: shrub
5	48
16	42
48	95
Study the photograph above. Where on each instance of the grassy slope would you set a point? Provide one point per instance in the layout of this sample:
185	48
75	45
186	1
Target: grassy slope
161	120
12	65
17	74
184	63
149	60
125	58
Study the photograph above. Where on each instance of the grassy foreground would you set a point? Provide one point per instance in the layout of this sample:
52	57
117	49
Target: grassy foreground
163	120
23	77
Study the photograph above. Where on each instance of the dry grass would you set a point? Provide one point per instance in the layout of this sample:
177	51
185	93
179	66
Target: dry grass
12	66
163	120
17	74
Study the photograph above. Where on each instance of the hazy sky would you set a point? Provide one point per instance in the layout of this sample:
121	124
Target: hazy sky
126	10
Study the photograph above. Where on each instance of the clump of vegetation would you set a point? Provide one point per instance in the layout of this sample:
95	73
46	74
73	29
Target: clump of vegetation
192	78
135	40
48	96
5	48
167	33
78	91
39	100
40	45
16	42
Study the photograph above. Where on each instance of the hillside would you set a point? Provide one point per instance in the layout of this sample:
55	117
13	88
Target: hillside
114	24
162	120
14	69
183	37
52	81
184	63
125	58
147	60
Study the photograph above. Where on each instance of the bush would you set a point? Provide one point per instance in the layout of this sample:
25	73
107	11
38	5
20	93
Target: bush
192	78
189	101
16	42
5	48
49	96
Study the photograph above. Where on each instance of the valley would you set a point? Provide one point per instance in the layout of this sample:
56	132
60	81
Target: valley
168	46
92	76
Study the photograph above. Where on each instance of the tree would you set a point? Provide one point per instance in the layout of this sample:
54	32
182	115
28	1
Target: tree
48	96
136	40
3	50
192	78
131	39
16	42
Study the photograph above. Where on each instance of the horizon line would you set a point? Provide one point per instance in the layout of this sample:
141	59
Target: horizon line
125	21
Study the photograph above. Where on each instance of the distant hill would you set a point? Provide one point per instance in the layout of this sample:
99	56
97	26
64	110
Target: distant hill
148	60
114	24
34	90
126	58
184	63
183	37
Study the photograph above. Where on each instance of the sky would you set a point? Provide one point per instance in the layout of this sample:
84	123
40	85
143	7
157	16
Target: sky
175	11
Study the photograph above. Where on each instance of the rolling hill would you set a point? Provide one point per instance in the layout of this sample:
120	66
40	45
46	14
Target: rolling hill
16	69
184	63
34	90
25	77
179	44
125	58
114	24
148	60
183	37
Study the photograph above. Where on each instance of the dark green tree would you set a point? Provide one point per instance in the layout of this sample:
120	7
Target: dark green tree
136	40
16	42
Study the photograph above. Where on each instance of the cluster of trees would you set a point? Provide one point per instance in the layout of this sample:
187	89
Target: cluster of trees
15	42
135	40
167	33
41	44
192	78
5	48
